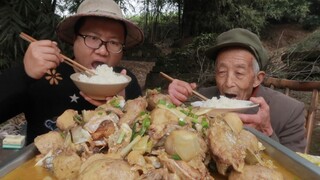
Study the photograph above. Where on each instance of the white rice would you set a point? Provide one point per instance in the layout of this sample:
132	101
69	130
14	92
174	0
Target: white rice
103	75
222	102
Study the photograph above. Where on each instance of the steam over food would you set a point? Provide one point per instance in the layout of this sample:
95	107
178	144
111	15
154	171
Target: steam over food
103	75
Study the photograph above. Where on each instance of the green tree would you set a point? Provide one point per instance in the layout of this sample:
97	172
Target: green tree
205	16
36	18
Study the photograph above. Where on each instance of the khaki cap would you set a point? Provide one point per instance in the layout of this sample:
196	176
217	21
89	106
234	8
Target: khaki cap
99	8
239	37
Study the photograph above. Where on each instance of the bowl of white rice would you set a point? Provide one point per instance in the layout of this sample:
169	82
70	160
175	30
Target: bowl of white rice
224	104
105	82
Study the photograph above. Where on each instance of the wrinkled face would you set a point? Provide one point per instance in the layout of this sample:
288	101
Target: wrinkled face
235	76
106	30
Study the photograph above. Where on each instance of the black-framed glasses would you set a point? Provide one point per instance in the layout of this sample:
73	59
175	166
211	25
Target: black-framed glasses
95	42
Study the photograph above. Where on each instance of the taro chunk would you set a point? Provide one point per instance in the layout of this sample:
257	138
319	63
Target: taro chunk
49	141
65	121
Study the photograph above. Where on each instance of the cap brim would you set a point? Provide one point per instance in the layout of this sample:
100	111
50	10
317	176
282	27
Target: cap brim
211	53
65	29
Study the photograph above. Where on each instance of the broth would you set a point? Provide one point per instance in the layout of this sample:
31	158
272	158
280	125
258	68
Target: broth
29	171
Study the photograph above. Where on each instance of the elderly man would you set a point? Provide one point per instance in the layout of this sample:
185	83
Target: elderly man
41	87
239	60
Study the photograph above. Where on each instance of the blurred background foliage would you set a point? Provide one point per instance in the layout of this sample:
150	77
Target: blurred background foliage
187	26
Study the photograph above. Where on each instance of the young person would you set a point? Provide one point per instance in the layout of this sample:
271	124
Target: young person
41	88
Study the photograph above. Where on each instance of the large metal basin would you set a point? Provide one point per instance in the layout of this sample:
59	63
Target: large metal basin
284	156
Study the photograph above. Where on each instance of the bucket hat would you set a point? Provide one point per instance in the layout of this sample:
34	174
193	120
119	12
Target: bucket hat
239	37
100	8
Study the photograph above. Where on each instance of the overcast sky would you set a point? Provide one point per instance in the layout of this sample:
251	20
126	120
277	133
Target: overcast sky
136	8
131	10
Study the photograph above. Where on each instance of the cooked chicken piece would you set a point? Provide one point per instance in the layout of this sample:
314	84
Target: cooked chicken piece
88	115
94	123
138	163
190	147
160	120
256	172
66	165
169	143
159	137
156	174
136	158
182	169
105	129
253	149
117	111
65	120
156	132
234	122
200	166
161	116
50	141
97	156
154	161
108	168
116	101
187	145
250	141
225	146
119	139
77	135
132	110
114	105
154	96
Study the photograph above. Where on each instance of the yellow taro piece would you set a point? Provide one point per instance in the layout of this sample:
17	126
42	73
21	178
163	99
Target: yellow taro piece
234	122
65	120
66	165
183	143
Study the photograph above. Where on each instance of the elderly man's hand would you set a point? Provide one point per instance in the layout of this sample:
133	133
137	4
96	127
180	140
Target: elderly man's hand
179	91
40	57
260	120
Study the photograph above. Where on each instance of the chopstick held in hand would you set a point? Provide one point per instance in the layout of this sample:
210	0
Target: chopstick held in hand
69	61
200	96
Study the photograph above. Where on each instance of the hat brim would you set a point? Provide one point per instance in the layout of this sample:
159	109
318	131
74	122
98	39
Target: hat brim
212	53
65	29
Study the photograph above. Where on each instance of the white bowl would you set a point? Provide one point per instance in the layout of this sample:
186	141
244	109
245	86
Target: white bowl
99	91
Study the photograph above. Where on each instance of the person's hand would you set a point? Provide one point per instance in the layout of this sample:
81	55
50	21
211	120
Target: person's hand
100	102
92	101
260	120
40	57
179	91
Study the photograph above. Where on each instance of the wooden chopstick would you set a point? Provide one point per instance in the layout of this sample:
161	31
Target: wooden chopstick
200	96
69	61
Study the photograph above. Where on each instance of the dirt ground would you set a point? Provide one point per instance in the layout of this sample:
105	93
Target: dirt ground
140	69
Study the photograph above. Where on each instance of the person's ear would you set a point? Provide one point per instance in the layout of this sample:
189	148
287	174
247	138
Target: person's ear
259	78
